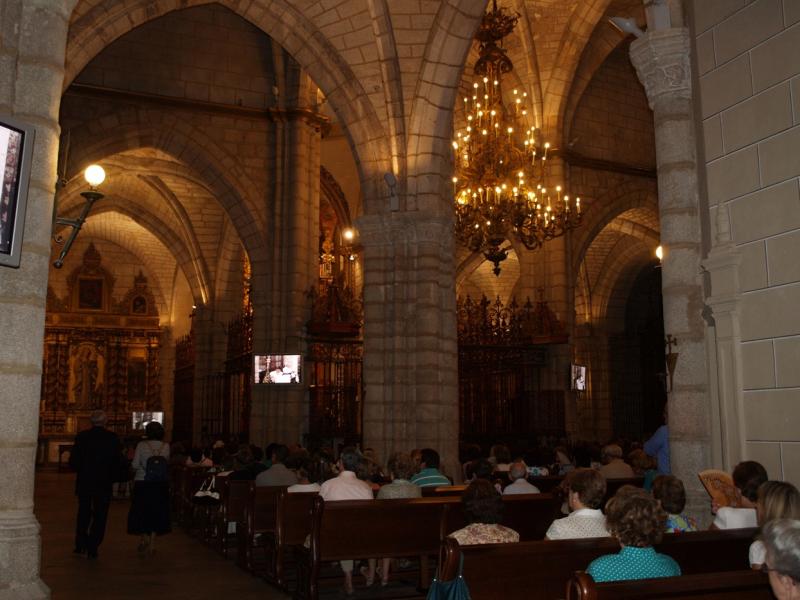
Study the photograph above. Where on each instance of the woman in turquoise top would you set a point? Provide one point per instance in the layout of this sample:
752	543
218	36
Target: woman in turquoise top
637	521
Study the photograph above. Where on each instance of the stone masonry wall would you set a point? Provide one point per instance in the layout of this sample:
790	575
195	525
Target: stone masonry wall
750	103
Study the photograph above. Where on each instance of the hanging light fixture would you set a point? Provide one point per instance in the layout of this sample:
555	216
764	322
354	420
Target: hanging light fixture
501	172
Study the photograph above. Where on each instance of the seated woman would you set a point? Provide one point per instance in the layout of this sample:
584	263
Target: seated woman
669	492
637	521
747	477
483	508
586	489
643	466
500	457
776	500
307	479
781	539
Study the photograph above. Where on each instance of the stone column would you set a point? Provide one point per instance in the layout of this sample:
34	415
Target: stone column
661	59
283	278
31	73
410	348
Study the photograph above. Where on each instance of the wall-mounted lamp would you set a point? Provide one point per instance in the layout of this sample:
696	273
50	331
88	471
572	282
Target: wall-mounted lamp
626	25
660	253
348	235
94	176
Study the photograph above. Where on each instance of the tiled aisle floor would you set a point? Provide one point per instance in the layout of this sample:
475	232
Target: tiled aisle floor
182	567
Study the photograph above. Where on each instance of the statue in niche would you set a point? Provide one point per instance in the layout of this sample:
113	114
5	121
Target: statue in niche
87	368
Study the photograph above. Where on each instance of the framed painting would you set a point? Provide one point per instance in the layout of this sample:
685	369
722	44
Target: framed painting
90	294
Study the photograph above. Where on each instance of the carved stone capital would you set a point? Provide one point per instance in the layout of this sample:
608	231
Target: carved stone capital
661	59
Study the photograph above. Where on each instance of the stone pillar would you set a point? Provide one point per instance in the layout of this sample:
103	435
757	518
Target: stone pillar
31	74
282	280
661	59
410	348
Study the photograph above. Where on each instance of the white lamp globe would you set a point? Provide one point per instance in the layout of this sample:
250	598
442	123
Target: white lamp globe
94	175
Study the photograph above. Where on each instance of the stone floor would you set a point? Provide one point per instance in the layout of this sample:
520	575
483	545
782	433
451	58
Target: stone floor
182	567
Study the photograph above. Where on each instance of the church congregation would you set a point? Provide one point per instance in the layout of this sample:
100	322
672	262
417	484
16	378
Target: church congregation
388	299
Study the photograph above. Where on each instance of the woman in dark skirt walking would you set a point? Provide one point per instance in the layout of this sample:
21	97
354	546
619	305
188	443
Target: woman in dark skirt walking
149	513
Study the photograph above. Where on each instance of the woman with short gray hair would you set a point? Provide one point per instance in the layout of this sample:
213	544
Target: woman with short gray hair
781	539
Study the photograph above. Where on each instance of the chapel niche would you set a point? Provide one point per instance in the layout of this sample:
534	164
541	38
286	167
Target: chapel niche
101	351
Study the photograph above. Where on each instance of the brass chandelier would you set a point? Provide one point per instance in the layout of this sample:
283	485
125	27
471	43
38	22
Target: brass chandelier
501	163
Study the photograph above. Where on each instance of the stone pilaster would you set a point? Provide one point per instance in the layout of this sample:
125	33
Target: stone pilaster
722	264
661	59
410	349
282	279
31	74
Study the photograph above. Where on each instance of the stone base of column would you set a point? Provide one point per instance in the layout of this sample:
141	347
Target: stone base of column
688	458
20	551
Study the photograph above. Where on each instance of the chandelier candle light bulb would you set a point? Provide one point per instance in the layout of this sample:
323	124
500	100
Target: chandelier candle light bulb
511	168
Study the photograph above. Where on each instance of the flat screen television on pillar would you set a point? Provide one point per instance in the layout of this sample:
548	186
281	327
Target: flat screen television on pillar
277	368
578	378
16	150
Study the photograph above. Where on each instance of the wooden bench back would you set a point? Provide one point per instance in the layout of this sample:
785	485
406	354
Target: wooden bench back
731	585
507	570
443	490
294	514
262	510
528	514
234	496
354	528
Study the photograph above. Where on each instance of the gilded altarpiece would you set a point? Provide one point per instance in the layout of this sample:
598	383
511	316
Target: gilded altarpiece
99	353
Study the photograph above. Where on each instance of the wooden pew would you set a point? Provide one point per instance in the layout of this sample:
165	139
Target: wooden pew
530	515
234	495
189	481
368	529
508	570
293	526
731	585
257	530
443	490
402	528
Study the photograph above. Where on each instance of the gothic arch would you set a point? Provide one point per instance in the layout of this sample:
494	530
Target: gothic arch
630	195
430	122
140	128
103	21
186	262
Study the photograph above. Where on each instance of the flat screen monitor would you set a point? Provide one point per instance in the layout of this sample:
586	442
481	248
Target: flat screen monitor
277	368
143	418
16	150
578	378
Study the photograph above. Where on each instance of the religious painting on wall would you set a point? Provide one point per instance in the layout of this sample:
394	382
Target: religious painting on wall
137	380
86	376
90	294
139	305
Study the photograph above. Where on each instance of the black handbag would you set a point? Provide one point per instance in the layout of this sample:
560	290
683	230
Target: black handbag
455	589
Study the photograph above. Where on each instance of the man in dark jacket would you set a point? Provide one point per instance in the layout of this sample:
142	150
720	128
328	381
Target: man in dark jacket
96	456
